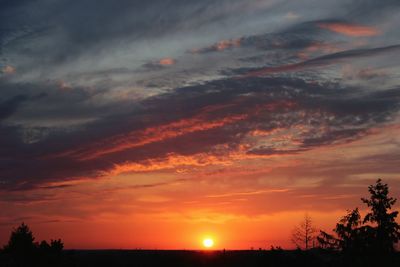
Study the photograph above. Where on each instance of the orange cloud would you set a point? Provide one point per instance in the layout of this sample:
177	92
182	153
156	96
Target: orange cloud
250	193
158	134
224	44
63	85
269	70
202	121
170	162
352	30
182	164
318	47
8	69
167	61
219	46
175	129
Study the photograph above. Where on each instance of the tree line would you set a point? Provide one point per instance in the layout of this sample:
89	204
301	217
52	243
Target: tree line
372	237
355	240
22	250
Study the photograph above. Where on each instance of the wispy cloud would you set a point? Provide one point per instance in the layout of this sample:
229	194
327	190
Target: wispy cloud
219	46
202	127
249	193
167	61
348	29
329	59
8	69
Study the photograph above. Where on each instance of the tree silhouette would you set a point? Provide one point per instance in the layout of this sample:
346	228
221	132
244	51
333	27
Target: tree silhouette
21	249
353	237
387	230
327	241
44	246
303	235
21	241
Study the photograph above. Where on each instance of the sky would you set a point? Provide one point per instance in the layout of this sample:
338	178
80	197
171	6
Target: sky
155	124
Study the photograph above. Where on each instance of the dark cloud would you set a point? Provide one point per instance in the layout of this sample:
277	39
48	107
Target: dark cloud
73	32
272	151
323	60
197	119
12	221
294	37
367	9
26	199
158	65
75	131
8	107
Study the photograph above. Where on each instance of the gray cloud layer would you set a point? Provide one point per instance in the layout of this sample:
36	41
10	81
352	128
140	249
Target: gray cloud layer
88	91
329	113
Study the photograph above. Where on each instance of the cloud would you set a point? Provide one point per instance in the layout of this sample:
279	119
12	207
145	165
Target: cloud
318	47
325	60
109	121
300	36
352	30
27	199
157	134
8	107
200	125
140	33
8	69
292	15
368	73
219	46
272	151
129	188
158	65
250	193
167	61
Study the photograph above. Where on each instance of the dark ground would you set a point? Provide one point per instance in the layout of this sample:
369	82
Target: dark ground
177	258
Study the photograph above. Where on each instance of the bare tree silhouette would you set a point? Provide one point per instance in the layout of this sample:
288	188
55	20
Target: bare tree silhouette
303	235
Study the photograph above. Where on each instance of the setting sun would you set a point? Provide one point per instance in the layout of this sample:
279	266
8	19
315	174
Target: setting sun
208	242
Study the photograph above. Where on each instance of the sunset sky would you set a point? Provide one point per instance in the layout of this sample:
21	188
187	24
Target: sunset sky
156	124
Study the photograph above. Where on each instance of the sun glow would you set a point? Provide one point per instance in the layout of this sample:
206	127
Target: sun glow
208	243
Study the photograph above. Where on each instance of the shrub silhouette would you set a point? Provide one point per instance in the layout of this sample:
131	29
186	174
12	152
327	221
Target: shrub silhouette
56	245
23	251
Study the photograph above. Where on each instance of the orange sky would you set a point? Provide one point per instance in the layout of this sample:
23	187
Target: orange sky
176	207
